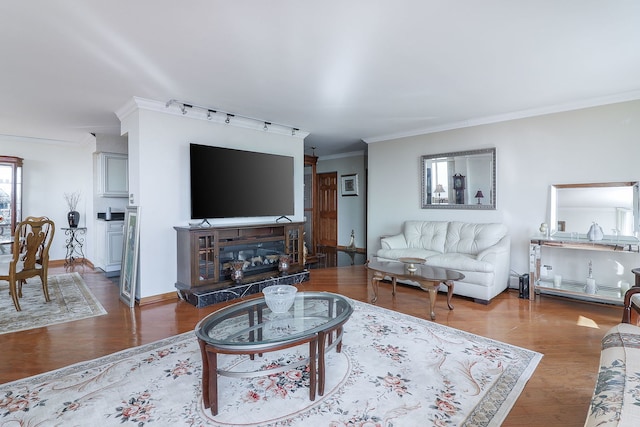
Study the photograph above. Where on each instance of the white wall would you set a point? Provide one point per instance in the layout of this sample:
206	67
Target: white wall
351	209
591	145
159	180
52	168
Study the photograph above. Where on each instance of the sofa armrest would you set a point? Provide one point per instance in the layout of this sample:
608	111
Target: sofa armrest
502	247
393	242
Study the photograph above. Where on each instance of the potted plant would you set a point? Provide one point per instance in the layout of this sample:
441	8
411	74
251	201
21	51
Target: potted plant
72	202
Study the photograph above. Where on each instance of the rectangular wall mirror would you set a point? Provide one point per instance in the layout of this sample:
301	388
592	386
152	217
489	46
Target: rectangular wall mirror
613	205
459	180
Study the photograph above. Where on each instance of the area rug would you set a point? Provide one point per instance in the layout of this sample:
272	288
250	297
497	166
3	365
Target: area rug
70	300
394	370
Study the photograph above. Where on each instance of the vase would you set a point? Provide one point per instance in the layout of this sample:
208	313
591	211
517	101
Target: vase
237	272
74	219
283	264
595	232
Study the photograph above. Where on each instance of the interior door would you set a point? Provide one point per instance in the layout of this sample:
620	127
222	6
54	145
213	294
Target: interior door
327	209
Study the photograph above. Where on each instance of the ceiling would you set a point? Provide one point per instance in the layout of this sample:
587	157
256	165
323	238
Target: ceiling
345	71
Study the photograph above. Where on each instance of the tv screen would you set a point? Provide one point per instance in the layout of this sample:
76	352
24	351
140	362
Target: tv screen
229	183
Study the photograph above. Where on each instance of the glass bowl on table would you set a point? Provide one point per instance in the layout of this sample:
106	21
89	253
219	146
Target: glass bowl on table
279	298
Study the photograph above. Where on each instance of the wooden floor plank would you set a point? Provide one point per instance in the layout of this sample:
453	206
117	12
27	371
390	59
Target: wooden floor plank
567	332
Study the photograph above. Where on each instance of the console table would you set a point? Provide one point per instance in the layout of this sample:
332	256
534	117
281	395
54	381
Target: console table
74	243
559	265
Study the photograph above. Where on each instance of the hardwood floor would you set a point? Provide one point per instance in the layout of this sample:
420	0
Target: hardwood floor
567	332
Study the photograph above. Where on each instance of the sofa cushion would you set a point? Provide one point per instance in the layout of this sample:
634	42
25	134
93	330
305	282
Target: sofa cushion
467	238
430	235
460	262
394	254
616	398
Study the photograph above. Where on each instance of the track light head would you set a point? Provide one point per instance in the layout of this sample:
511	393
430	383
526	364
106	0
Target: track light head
211	113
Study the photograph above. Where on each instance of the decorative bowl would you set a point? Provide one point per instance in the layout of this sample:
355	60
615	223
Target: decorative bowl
279	298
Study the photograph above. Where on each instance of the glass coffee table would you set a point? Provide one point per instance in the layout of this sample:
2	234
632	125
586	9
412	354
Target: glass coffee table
250	328
428	278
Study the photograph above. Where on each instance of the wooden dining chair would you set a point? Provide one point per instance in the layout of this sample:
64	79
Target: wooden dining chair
29	256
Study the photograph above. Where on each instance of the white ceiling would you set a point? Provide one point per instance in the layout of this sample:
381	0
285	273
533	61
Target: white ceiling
345	71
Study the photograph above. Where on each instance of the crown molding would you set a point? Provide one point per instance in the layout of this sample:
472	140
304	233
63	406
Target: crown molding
342	155
523	114
200	113
87	139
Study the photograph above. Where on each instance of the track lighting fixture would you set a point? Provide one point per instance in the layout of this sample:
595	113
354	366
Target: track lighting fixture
247	121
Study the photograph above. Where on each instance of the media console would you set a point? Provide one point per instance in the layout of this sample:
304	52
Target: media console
204	256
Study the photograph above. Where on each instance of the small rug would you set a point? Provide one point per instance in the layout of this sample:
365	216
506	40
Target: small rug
394	370
70	300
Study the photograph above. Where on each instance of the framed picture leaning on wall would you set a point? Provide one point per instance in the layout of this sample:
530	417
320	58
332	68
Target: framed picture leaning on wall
129	268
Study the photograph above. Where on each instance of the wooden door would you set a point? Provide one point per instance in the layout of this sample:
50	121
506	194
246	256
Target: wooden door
328	209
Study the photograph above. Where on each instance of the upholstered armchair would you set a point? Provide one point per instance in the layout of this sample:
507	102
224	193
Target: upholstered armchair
632	300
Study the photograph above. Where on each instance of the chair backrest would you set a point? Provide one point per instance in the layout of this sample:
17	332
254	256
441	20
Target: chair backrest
32	240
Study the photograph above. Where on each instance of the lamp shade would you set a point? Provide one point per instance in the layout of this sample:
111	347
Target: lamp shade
439	189
479	194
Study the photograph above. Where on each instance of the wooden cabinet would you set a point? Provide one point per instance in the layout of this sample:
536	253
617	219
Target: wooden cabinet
561	267
110	240
113	177
204	253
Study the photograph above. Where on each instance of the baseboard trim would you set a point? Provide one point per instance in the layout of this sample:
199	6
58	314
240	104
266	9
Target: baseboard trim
77	262
158	298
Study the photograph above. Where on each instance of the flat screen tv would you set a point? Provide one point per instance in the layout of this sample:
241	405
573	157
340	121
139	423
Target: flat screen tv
229	183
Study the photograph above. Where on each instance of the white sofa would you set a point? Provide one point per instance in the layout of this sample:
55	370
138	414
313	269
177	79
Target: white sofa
479	251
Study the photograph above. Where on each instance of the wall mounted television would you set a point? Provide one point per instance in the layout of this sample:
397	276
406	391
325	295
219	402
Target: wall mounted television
230	183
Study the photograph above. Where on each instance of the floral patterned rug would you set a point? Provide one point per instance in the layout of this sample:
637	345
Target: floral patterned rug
70	300
394	370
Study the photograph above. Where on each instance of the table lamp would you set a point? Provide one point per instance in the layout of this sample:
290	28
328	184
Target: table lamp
439	189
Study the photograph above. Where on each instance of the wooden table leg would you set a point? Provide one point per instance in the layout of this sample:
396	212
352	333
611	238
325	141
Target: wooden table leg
205	374
315	379
433	292
393	283
431	287
321	353
375	280
449	284
212	389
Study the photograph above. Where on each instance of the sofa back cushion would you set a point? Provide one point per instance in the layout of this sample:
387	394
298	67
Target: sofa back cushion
471	239
429	235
